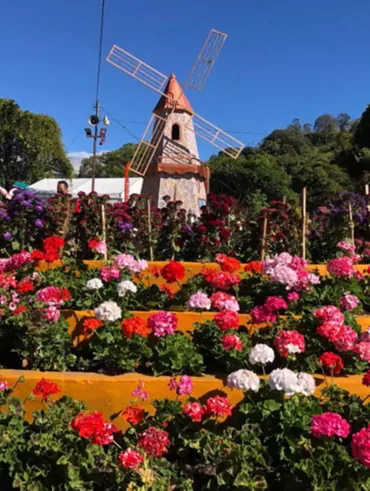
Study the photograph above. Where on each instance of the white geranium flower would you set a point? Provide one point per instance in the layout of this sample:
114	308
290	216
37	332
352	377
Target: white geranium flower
94	284
244	380
108	312
261	353
126	286
306	383
284	379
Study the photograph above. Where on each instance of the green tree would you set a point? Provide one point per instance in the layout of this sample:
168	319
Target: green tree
108	164
362	132
31	146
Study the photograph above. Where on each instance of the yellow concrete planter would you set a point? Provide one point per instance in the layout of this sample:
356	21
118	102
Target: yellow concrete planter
186	320
111	394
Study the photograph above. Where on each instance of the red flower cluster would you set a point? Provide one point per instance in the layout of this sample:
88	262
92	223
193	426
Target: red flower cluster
220	280
53	295
51	249
366	379
135	326
94	427
268	311
227	319
173	271
231	341
21	309
289	342
154	442
167	289
90	325
332	362
45	389
228	264
254	267
195	411
93	243
218	406
7	281
131	459
134	414
25	286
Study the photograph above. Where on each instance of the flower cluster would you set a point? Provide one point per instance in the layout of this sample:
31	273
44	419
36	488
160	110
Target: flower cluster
53	295
45	388
162	323
98	246
290	383
289	343
232	341
154	441
131	459
227	319
93	427
173	271
342	267
135	326
222	300
243	380
108	312
127	261
349	302
329	425
221	280
228	264
200	301
183	385
268	312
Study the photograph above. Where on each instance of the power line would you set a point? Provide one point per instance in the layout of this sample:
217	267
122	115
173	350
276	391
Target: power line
100	49
121	125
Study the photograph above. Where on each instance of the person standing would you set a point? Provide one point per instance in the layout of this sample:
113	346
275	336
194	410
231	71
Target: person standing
62	187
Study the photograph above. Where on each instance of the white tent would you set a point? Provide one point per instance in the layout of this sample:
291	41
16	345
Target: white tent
114	187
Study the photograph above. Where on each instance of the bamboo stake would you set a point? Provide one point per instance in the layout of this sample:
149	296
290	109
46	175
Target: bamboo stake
367	194
150	232
351	223
304	220
65	227
264	234
103	222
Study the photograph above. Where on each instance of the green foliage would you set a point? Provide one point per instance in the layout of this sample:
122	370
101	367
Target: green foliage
108	164
176	354
31	146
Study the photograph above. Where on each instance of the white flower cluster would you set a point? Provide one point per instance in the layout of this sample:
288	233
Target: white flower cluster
291	383
108	312
261	354
244	380
94	284
126	286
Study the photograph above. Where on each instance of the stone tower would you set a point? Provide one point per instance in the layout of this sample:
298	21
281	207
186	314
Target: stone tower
176	170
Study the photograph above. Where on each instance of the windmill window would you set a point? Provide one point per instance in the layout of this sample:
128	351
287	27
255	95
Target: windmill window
175	132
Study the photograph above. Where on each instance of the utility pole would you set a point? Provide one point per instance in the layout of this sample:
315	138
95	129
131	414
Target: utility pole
97	115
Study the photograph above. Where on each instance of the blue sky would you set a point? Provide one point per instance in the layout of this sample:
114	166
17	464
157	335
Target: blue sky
282	60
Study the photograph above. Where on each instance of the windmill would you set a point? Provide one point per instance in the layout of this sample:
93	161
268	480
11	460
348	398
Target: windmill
167	155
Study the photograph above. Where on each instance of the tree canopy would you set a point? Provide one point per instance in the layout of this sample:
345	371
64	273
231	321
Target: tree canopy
108	164
31	146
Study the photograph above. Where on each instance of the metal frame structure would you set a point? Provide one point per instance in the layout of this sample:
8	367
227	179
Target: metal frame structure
157	81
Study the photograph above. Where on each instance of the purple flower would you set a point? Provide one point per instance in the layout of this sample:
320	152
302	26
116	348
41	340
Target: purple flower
7	236
38	223
39	208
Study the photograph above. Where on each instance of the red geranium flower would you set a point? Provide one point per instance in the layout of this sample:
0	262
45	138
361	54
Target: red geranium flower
194	410
90	325
173	271
134	414
227	319
332	362
135	325
21	309
366	379
254	267
45	389
130	459
218	406
25	286
168	290
94	427
154	442
228	264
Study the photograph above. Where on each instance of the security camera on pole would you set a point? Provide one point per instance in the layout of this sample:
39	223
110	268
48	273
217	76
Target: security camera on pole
94	121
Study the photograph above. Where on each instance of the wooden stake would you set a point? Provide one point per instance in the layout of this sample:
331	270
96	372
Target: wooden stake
103	222
304	231
150	231
351	223
367	194
264	234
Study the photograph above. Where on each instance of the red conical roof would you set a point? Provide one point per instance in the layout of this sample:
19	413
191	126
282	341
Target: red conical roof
174	93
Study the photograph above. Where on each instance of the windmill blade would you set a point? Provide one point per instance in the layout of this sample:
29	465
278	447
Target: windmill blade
148	145
137	69
215	136
206	59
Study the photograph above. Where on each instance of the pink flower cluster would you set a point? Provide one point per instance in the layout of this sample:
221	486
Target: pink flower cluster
289	343
222	300
3	385
162	324
140	392
232	341
346	247
51	313
361	446
342	267
199	301
290	271
17	261
349	302
184	385
268	312
330	424
109	273
362	349
127	261
53	295
332	328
